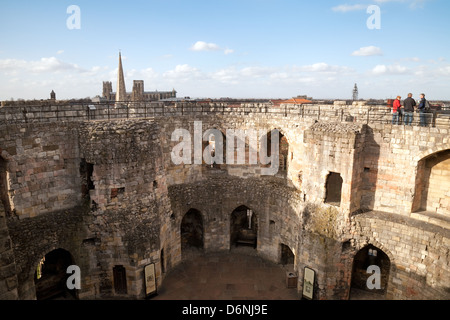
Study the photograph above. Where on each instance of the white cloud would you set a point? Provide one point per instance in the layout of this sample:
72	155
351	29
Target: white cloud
228	75
43	65
60	52
368	51
203	46
167	56
347	8
343	8
182	73
444	70
323	67
413	4
391	70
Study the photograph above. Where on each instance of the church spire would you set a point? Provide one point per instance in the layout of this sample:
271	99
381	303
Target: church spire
121	94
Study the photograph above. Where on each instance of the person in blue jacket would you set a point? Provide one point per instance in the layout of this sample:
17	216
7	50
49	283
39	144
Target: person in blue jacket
422	109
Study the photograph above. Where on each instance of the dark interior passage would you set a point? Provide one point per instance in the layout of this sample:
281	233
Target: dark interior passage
370	256
51	275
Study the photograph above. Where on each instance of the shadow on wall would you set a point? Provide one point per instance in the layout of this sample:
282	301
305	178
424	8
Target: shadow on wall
369	171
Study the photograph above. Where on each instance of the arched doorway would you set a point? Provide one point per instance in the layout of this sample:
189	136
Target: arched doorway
333	189
287	257
367	257
433	184
51	275
191	230
243	227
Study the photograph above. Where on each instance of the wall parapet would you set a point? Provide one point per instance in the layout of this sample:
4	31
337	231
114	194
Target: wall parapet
359	113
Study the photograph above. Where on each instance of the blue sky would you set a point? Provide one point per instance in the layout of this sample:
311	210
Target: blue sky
226	48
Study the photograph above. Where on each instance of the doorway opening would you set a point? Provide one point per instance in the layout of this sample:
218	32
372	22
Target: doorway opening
362	275
192	230
243	227
51	276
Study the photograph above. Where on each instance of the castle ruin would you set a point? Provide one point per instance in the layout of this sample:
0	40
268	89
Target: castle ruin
97	188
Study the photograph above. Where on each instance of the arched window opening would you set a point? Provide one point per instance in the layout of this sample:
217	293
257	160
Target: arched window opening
86	172
51	276
432	192
244	227
214	148
333	189
283	151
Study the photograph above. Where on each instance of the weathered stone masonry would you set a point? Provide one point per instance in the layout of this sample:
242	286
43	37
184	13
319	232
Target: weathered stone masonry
108	193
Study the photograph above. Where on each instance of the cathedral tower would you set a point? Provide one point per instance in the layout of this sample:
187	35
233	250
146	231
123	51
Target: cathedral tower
121	94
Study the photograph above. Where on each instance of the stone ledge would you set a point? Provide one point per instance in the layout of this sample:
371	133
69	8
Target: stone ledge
433	218
434	225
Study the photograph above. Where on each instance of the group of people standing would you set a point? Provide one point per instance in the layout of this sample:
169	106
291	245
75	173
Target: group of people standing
406	112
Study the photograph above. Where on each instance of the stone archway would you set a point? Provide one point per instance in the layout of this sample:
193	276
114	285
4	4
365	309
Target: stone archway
51	275
191	230
243	227
363	270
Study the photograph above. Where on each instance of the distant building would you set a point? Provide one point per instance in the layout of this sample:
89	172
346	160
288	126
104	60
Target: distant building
52	95
137	94
355	93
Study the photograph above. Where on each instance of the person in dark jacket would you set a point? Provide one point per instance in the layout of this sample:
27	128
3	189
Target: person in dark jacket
409	105
422	105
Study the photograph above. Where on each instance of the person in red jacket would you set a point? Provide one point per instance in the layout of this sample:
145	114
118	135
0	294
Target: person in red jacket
396	110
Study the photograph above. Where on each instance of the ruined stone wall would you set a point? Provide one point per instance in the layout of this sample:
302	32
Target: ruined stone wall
43	167
418	252
8	273
115	221
109	193
370	161
393	176
44	195
129	204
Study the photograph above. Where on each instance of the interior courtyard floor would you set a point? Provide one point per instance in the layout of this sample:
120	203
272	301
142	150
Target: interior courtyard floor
236	275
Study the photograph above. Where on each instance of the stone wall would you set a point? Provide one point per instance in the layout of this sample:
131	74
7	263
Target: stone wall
129	204
418	252
358	112
8	272
43	167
